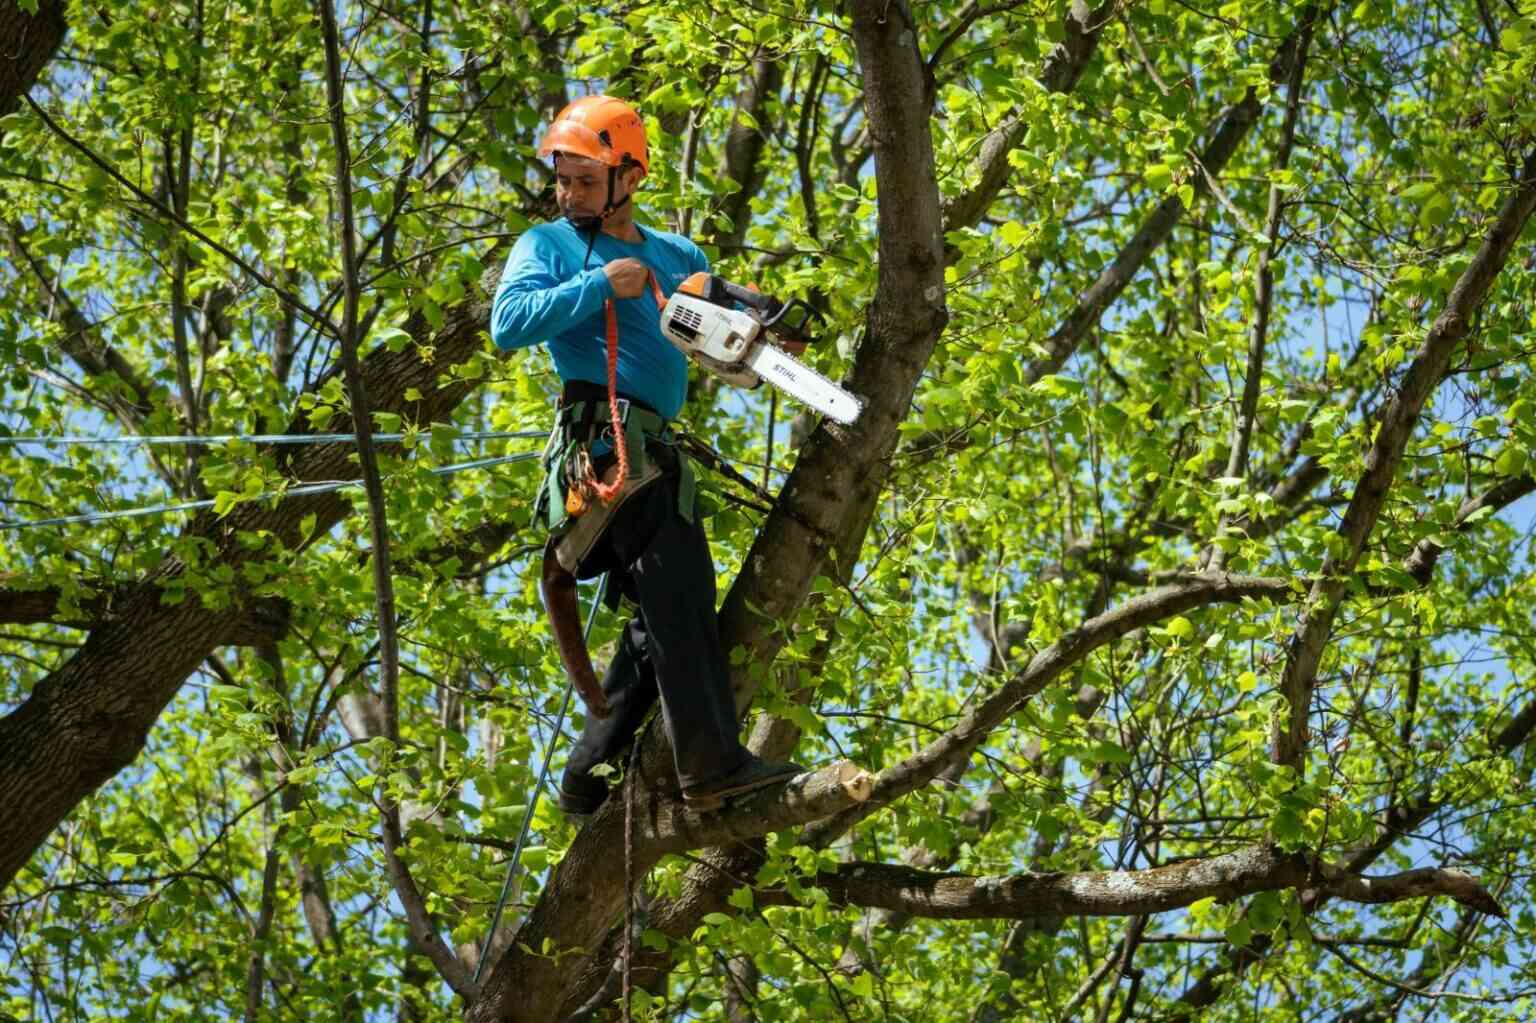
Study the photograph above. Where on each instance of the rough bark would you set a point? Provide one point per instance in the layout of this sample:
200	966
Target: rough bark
584	894
27	43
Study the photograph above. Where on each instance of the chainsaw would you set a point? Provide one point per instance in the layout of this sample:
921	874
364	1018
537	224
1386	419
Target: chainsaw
700	320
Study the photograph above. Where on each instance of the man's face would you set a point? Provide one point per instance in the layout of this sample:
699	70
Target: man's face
581	185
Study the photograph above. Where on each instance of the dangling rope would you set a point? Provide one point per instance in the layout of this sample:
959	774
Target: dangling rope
629	870
538	790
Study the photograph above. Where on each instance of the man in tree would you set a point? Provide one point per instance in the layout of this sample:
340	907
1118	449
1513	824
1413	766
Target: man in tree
573	284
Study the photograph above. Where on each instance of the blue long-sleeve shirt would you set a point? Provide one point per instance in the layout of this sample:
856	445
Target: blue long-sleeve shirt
547	296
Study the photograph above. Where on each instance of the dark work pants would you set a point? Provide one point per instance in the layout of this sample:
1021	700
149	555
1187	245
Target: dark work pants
662	562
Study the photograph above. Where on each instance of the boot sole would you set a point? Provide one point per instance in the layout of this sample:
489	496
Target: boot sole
706	801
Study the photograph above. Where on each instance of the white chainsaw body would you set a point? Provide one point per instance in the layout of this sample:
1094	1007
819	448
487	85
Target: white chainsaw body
720	339
731	344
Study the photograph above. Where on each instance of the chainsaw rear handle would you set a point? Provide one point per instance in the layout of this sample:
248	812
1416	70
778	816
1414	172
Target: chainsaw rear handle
789	320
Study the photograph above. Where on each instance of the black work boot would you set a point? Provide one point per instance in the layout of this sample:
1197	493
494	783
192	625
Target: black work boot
581	794
752	775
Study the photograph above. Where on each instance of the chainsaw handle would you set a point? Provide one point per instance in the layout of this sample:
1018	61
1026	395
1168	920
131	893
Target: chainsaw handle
792	320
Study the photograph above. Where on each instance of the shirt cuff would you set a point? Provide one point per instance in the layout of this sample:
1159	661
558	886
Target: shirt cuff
603	283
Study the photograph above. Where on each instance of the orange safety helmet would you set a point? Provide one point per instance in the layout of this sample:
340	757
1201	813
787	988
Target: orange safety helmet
600	128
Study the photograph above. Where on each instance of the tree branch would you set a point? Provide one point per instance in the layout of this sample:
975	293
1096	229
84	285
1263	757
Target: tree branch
1264	284
423	930
972	729
1031	894
1397	420
1062	70
1228	135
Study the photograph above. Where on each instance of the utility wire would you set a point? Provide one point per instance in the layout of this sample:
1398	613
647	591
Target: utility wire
263	438
303	490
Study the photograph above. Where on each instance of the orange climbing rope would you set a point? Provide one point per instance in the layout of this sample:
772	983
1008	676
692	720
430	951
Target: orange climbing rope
607	492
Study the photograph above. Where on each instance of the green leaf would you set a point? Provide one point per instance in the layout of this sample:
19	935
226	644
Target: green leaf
392	338
1240	932
1511	461
53	935
1013	233
1109	753
1436	211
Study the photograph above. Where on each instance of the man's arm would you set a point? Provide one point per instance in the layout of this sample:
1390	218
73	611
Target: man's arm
532	305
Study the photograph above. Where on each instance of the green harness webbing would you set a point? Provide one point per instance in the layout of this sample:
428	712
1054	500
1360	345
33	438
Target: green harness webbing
585	417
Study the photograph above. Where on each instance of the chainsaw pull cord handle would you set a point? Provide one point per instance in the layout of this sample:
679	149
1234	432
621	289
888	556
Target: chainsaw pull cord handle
607	492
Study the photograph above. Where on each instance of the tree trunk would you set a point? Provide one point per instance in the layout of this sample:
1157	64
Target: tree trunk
27	44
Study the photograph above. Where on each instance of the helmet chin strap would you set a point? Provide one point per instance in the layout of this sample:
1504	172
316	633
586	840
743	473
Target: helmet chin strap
592	223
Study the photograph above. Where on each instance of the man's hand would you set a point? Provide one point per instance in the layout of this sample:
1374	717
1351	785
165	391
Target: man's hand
628	277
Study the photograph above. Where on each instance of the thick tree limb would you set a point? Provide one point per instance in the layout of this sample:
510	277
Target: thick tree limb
972	729
575	909
1120	892
1421	563
1397	421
